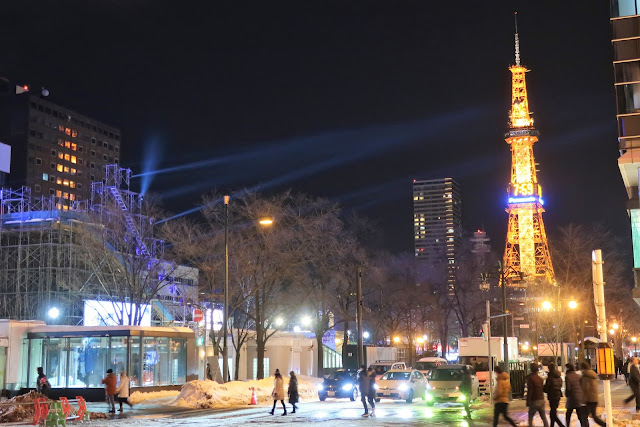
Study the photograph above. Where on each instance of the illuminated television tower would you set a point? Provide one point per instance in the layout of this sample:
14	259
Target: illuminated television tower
526	251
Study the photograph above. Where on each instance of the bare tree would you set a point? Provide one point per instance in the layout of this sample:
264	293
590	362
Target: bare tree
123	251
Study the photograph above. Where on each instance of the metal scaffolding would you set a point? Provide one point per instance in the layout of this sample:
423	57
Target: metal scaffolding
43	263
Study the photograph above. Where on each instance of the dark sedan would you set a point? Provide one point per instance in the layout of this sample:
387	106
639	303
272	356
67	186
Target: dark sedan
341	384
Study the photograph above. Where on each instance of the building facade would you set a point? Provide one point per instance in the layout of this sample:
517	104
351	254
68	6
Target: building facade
625	25
55	151
437	218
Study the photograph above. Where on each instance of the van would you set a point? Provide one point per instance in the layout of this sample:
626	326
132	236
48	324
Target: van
427	364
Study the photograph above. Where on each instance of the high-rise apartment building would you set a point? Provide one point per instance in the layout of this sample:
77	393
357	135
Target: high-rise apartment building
625	24
55	151
437	212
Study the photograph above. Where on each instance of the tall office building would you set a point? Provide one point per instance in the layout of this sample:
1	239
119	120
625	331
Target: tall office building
625	24
55	151
437	212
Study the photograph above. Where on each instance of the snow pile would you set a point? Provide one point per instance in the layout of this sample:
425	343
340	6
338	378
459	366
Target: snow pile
209	394
138	397
19	408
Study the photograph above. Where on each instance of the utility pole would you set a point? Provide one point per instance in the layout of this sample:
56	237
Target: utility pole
505	344
490	363
359	316
225	311
598	293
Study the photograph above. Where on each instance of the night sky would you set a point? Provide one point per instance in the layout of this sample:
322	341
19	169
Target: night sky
348	100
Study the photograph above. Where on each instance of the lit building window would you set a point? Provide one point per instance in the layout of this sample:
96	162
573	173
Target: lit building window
66	169
45	177
60	156
74	133
67	157
60	168
74	146
65	195
58	181
67	144
72	196
67	131
73	171
73	159
65	182
72	184
58	193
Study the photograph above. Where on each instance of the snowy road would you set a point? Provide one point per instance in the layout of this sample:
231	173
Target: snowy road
327	413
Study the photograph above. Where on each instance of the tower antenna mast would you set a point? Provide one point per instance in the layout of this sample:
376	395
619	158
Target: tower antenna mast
515	18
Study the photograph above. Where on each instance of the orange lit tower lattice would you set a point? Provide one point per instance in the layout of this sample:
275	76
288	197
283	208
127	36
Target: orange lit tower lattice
526	251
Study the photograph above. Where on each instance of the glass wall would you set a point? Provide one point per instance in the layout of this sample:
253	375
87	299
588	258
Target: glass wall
624	8
83	361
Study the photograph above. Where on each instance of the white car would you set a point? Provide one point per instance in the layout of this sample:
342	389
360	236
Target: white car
426	364
381	366
405	384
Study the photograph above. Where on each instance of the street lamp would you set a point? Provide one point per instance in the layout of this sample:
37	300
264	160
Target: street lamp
265	221
279	321
396	340
53	313
615	326
306	320
573	305
546	305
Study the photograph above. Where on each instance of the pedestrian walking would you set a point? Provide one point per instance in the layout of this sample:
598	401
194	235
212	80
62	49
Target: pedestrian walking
123	390
626	369
110	389
363	386
293	391
535	396
589	384
575	399
553	388
618	364
465	388
501	397
634	383
42	383
371	393
278	392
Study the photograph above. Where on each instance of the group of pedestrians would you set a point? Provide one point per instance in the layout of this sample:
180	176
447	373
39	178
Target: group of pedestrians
112	389
278	392
581	392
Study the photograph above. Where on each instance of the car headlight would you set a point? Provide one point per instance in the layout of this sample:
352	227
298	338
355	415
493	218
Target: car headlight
462	398
347	387
376	386
320	387
403	387
429	397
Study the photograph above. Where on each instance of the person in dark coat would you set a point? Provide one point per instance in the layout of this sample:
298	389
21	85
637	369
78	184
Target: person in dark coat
42	383
371	395
589	383
465	388
535	396
293	391
553	388
575	399
363	385
634	383
625	370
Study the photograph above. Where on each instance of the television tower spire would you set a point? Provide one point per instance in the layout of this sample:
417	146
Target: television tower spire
526	250
515	17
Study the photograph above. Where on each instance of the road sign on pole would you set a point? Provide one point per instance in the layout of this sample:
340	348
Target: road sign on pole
197	315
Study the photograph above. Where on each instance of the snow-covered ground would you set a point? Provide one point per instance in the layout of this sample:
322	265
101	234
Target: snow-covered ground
210	394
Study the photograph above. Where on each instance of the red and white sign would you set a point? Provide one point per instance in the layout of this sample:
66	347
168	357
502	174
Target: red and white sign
197	315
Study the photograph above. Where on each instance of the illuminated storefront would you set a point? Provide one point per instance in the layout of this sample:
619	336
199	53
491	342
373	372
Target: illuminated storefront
79	356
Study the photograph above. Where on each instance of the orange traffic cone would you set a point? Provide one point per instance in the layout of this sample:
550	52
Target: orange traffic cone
254	399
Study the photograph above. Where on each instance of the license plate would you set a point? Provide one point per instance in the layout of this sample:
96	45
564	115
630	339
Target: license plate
386	392
331	393
453	395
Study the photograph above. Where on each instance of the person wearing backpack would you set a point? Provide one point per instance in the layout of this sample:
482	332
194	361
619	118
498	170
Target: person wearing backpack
553	388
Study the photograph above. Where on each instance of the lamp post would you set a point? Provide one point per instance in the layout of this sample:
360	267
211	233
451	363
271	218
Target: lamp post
225	311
